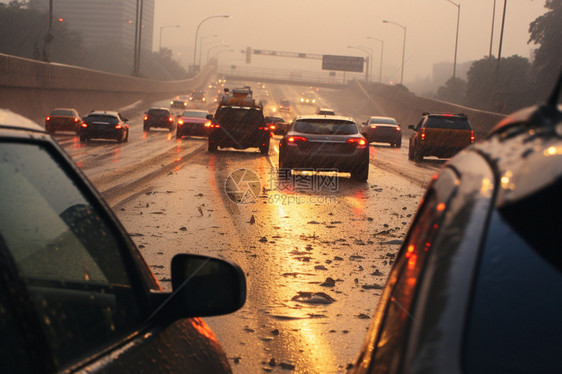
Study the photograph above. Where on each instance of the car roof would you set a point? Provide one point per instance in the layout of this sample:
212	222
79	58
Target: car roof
323	116
160	108
380	117
104	112
11	120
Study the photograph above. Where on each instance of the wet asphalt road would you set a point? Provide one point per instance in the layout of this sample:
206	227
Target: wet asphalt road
315	257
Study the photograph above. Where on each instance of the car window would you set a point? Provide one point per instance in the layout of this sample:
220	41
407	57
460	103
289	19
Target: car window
457	123
194	114
158	112
389	121
60	112
514	319
325	127
231	117
101	118
66	255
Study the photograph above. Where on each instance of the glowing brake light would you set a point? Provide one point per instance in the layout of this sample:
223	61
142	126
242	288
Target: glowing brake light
472	136
358	142
397	128
272	127
295	140
118	126
180	122
422	134
448	115
48	118
76	120
145	118
84	124
373	126
171	118
208	124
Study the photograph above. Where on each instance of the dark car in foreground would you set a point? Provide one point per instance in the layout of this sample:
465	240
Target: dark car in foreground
193	122
104	125
158	117
76	294
383	130
440	135
239	123
325	142
477	284
63	119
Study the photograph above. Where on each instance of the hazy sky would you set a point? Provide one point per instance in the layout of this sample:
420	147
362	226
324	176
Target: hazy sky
329	26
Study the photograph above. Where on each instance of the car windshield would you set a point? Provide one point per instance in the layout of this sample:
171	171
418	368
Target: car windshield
101	118
62	112
194	114
325	127
457	123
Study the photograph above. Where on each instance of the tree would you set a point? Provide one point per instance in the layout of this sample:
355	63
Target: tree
546	31
502	87
453	91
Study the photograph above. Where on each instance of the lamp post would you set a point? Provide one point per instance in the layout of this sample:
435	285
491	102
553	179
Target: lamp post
501	38
197	34
201	45
221	45
492	32
162	28
369	58
382	50
457	38
403	47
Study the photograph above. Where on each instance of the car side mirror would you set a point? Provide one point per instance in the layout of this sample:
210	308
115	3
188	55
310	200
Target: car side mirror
202	286
209	116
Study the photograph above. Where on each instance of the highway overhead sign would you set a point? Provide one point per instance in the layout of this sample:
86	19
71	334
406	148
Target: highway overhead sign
342	63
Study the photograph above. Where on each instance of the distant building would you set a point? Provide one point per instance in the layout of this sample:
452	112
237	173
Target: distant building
103	22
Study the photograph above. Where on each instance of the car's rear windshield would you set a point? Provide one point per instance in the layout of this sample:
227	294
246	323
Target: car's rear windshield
158	112
62	112
194	114
387	121
515	320
285	102
457	123
325	127
237	117
274	119
101	118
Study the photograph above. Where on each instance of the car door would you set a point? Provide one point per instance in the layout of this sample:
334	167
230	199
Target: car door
74	291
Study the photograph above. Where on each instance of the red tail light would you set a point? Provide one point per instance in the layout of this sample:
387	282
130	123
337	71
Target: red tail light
472	136
422	134
272	127
145	118
296	140
84	124
397	128
48	118
171	118
265	128
208	124
76	120
373	126
215	126
180	122
358	142
118	126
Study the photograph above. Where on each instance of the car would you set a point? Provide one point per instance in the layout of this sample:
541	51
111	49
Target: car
285	106
277	125
308	98
239	123
325	142
178	104
197	95
383	130
194	122
76	294
158	117
439	134
477	284
104	125
63	119
326	112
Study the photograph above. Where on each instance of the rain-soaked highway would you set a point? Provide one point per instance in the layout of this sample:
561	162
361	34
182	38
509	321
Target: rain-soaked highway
315	258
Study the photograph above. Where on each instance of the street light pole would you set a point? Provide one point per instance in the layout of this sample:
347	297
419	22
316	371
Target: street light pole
368	59
501	38
161	28
197	34
403	47
201	45
492	32
382	51
457	38
221	45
